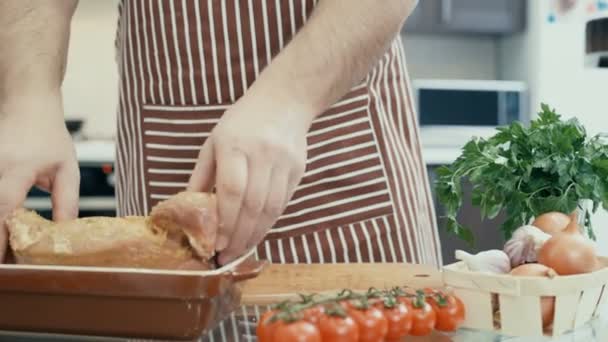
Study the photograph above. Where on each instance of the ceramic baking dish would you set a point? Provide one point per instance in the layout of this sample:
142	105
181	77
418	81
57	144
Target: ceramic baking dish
120	302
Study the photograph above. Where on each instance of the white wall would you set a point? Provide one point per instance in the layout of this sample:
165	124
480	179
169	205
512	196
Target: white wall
90	87
567	85
451	57
516	53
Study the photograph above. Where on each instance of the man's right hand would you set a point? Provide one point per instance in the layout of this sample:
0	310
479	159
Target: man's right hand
36	150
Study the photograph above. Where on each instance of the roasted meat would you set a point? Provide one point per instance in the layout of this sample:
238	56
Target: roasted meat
179	233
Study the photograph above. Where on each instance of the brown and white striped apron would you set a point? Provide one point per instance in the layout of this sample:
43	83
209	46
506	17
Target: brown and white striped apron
365	195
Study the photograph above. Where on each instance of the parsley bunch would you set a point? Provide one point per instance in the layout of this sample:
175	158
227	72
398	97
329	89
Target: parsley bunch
553	165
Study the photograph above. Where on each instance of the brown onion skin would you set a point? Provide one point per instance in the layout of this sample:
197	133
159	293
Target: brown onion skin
569	254
547	304
552	222
533	270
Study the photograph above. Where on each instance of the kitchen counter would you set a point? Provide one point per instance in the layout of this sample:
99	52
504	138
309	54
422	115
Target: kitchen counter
280	282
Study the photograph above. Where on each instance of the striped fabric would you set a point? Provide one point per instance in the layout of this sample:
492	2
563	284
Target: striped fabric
365	193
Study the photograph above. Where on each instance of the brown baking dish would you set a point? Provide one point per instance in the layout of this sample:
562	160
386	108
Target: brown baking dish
120	302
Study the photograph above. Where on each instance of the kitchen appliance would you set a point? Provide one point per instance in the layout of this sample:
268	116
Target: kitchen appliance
121	302
97	181
74	126
596	47
452	111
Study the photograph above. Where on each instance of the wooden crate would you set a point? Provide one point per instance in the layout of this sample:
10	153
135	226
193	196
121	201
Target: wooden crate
578	299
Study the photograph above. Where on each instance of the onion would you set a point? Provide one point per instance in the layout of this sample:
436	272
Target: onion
552	222
533	270
547	304
569	252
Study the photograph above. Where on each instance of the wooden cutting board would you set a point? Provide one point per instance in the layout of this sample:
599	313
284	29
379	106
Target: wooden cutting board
281	282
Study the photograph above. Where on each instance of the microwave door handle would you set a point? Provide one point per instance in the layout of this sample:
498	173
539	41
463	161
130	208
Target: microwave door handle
446	11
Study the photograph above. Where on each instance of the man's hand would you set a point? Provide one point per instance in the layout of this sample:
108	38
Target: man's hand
36	149
255	157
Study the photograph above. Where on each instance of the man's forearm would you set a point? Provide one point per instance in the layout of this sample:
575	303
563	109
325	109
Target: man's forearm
334	50
34	38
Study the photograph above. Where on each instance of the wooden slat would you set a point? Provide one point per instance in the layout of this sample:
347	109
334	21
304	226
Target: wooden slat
602	306
563	284
577	298
520	316
280	282
456	275
565	312
587	306
478	310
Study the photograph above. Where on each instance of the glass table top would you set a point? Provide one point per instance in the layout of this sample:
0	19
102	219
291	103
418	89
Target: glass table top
595	331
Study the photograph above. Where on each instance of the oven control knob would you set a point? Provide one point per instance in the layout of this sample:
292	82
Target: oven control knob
108	170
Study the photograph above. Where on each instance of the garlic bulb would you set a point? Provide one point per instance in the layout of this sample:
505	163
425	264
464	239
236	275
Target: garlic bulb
492	261
524	245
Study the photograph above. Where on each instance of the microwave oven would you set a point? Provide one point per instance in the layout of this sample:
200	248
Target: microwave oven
451	112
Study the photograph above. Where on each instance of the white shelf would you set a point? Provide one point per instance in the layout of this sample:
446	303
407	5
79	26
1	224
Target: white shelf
440	155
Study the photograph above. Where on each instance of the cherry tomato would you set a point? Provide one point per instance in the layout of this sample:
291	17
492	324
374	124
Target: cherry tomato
346	304
423	317
399	319
373	326
407	301
265	329
338	329
429	291
313	314
450	311
299	331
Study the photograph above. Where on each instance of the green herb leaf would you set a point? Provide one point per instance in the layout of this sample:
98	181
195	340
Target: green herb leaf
552	165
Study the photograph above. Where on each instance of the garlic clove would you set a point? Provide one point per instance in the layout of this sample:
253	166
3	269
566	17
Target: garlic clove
470	261
521	250
492	261
524	245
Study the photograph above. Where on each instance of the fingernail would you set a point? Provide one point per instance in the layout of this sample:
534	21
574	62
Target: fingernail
221	243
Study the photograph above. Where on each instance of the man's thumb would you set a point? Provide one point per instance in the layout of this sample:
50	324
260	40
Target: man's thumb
14	186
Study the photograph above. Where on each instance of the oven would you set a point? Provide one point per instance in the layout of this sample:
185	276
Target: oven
97	181
452	111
